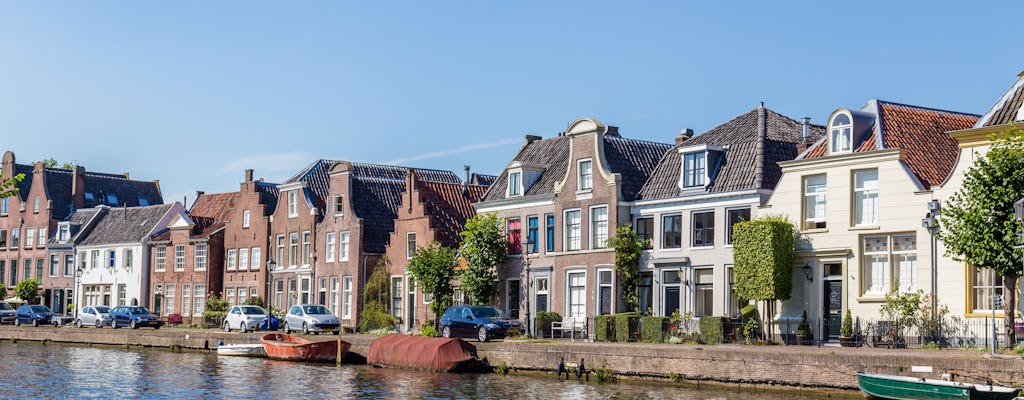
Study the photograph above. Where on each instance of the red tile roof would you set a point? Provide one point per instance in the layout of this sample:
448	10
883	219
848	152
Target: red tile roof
449	206
929	151
210	212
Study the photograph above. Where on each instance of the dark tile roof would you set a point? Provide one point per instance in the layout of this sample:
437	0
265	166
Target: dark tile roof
929	152
376	201
58	183
363	170
449	206
740	168
126	225
210	212
268	196
634	159
26	181
552	154
317	179
482	180
1004	111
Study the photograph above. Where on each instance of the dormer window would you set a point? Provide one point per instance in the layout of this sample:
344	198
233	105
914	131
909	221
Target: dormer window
694	167
586	178
63	232
143	201
841	133
515	183
89	196
112	199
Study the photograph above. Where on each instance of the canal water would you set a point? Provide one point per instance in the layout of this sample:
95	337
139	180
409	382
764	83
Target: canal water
32	370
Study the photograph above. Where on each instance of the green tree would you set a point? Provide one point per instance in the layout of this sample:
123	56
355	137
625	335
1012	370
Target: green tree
483	247
433	268
978	224
28	290
216	310
763	260
376	312
628	249
3	291
52	163
7	185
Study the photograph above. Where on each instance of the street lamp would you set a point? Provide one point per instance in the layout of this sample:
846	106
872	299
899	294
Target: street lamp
526	267
931	222
75	292
270	268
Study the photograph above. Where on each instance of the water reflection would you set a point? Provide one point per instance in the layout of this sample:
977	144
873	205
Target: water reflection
55	371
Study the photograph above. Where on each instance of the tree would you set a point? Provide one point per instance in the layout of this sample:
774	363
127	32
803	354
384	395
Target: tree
7	185
763	260
376	313
483	247
52	163
433	268
978	224
28	290
628	249
3	291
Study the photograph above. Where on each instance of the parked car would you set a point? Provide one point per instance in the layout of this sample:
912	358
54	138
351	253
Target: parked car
133	316
245	318
6	313
97	316
482	322
32	314
311	318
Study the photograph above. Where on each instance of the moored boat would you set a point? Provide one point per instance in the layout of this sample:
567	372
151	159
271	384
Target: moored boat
425	353
243	350
882	386
279	346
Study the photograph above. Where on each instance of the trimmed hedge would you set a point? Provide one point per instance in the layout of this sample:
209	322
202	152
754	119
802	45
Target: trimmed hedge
544	320
625	325
712	330
763	255
654	329
604	328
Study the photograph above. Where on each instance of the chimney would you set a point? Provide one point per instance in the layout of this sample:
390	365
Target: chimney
807	124
248	175
802	146
78	186
466	167
199	193
684	135
126	176
534	138
612	131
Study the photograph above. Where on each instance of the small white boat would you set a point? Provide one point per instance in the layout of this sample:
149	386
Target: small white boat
243	350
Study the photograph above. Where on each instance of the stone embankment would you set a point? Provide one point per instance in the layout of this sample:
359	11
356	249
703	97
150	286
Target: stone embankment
792	366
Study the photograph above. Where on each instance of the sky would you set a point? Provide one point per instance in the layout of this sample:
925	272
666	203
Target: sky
194	92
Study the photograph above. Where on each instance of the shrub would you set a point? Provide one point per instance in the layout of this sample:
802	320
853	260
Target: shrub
654	329
428	330
604	328
254	301
216	310
544	320
626	325
847	329
712	330
375	317
804	329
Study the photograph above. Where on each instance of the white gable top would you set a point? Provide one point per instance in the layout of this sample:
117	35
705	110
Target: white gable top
180	221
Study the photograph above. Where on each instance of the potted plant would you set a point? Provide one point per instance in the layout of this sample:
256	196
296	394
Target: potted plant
846	331
803	331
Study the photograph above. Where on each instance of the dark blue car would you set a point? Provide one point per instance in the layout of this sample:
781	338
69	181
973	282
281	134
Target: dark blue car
482	322
133	316
35	315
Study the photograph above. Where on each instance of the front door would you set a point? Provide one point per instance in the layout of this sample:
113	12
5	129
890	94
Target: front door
833	311
513	299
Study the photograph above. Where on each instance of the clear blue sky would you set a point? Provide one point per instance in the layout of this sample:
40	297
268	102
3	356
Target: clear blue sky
193	93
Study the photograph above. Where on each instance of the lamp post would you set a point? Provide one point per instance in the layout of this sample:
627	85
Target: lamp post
75	292
526	268
931	222
270	268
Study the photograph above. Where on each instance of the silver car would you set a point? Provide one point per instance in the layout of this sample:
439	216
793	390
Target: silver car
97	316
311	318
6	313
244	318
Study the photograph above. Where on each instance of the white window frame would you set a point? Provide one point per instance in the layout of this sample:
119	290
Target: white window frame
697	289
41	234
708	242
307	250
255	258
729	225
343	248
199	255
568	229
127	258
245	219
160	256
585	178
179	260
331	246
515	185
840	136
199	299
815	202
410	245
899	270
695	175
598	232
30	237
575	310
610	285
338	204
231	259
346	297
865	198
243	259
293	203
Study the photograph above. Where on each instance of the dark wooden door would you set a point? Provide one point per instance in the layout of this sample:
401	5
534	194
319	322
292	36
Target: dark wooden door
833	311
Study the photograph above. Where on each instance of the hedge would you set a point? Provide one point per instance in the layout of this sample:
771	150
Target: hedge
604	328
763	259
544	320
625	325
654	329
712	330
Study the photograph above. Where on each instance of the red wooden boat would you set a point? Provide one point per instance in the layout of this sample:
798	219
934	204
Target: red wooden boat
284	347
425	353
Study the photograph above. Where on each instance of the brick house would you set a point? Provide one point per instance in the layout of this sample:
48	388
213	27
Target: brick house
247	238
566	195
187	258
700	189
428	212
47	197
363	205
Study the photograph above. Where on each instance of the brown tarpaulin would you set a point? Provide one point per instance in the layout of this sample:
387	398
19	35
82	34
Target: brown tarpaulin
421	352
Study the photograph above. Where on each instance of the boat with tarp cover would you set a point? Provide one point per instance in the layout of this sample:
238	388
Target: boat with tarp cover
425	353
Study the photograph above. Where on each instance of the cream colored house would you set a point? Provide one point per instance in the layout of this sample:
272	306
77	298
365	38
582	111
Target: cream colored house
857	198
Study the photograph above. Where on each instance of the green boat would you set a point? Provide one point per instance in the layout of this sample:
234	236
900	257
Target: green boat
881	386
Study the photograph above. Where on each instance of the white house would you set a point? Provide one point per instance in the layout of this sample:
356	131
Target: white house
112	253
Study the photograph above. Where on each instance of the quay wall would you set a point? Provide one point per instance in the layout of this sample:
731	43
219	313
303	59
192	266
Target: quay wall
792	366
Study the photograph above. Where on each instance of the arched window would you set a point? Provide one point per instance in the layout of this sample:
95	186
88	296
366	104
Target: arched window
840	133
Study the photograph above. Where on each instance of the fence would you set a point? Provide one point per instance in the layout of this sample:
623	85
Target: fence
965	333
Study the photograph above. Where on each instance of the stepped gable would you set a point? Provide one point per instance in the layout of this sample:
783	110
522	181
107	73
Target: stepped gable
449	206
929	152
775	135
211	212
552	154
125	225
